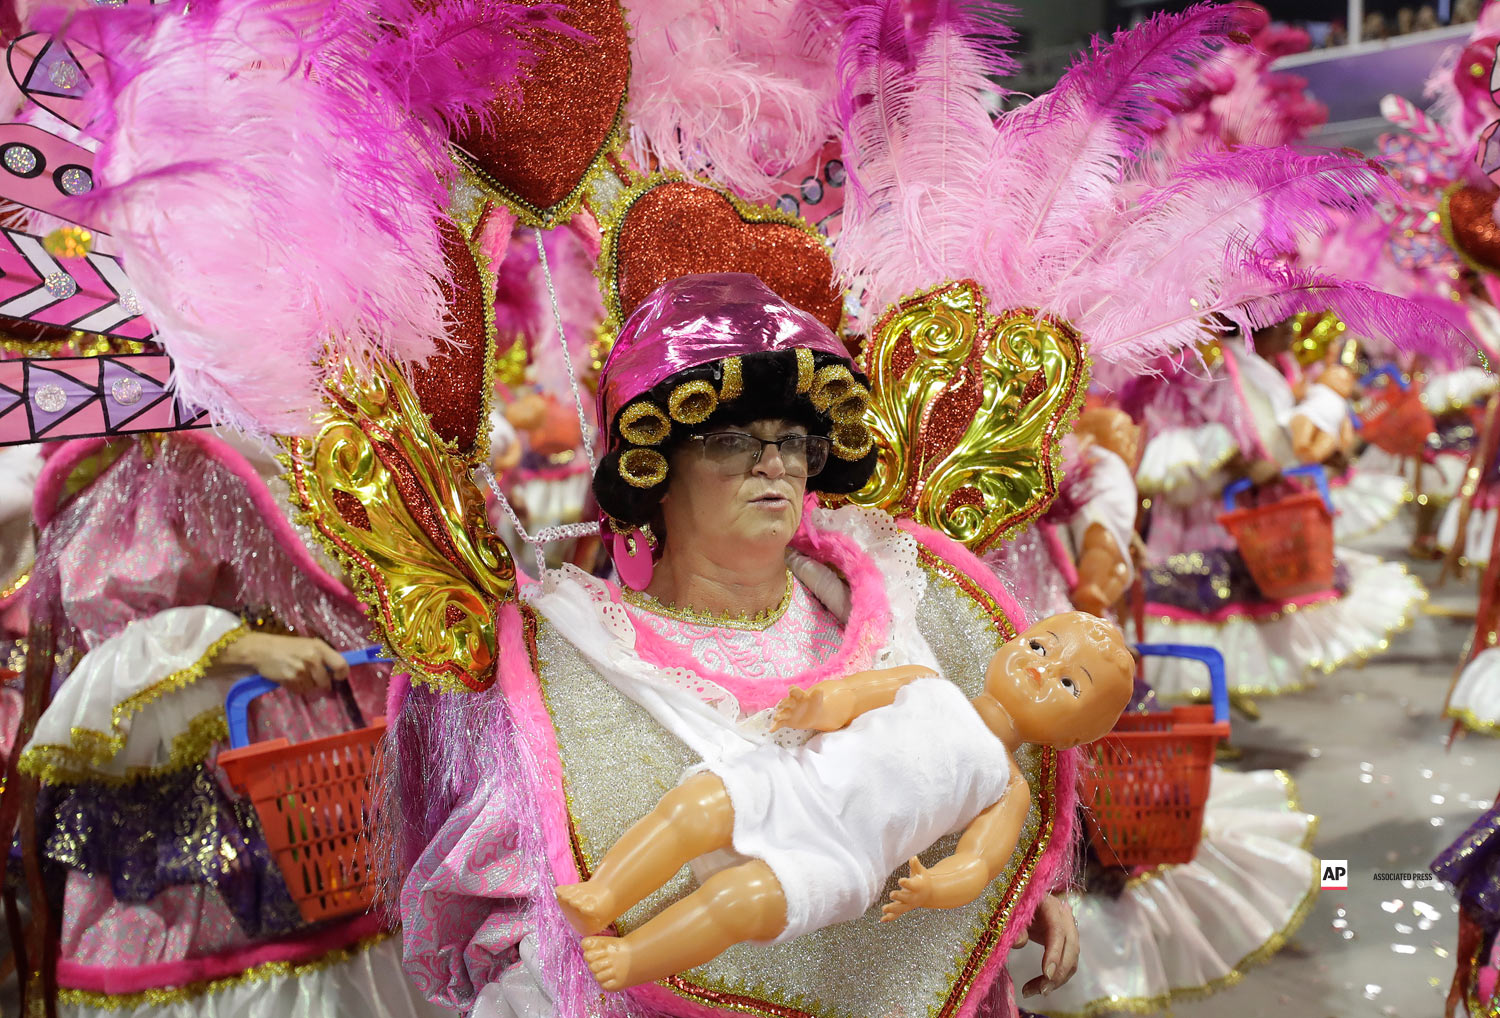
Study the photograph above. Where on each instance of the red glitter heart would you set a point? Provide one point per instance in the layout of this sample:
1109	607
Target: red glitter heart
538	155
1469	222
450	386
676	229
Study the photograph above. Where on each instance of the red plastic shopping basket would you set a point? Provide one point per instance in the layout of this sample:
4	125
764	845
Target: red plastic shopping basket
313	800
1395	418
1147	782
1288	544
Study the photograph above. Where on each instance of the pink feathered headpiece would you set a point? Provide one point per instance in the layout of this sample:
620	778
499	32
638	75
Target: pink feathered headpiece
694	320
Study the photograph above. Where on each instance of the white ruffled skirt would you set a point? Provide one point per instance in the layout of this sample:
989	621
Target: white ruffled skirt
1281	653
1193	929
1478	535
1367	503
1475	702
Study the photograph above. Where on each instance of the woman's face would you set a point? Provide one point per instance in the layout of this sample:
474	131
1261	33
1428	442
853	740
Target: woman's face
754	508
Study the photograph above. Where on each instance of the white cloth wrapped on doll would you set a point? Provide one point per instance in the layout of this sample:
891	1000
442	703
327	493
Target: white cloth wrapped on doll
1323	407
1111	503
835	817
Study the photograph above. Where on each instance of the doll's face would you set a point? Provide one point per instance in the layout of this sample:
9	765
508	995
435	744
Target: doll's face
1064	681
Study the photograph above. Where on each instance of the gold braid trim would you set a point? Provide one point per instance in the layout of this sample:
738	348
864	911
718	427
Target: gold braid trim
91	749
67	765
175	994
17	584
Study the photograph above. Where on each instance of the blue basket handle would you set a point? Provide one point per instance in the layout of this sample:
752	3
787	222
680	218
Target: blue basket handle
1197	652
1390	371
1312	470
237	703
1356	420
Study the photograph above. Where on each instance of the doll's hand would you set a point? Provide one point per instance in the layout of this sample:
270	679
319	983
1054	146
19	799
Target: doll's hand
300	663
916	891
816	709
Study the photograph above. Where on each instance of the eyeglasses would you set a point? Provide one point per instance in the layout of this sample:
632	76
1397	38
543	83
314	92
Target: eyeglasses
734	452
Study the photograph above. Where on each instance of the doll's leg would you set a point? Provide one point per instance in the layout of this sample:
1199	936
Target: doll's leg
692	819
744	902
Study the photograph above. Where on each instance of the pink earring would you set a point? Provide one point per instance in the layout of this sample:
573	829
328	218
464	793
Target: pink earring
632	555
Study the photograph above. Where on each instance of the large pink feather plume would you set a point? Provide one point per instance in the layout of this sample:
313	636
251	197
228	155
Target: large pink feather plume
1058	213
1238	100
738	90
274	174
917	143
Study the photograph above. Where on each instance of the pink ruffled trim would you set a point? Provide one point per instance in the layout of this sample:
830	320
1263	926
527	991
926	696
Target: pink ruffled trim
867	627
1240	609
523	694
72	975
55	475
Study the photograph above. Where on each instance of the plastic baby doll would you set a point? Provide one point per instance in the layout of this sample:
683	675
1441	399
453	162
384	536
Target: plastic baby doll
904	759
1104	527
1320	424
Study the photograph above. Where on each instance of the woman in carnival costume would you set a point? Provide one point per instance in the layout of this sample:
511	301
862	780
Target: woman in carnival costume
1472	865
726	405
170	576
176	570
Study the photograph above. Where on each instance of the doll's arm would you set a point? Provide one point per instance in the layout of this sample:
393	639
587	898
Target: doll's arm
981	855
831	705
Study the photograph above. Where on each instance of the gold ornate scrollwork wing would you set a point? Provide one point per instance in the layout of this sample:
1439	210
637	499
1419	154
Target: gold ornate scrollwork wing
409	526
968	412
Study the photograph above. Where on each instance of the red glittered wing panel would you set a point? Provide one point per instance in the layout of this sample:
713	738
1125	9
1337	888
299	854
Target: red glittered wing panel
453	386
538	156
667	227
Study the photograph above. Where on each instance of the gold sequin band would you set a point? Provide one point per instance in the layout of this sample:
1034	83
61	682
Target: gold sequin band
724	620
804	369
830	384
851	440
851	407
692	402
94	749
733	381
644	423
17	584
643	468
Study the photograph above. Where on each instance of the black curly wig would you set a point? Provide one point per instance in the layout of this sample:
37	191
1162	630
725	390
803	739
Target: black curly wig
732	393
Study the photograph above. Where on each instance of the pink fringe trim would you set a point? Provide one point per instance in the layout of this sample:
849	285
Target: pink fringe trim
111	979
523	694
966	562
55	473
